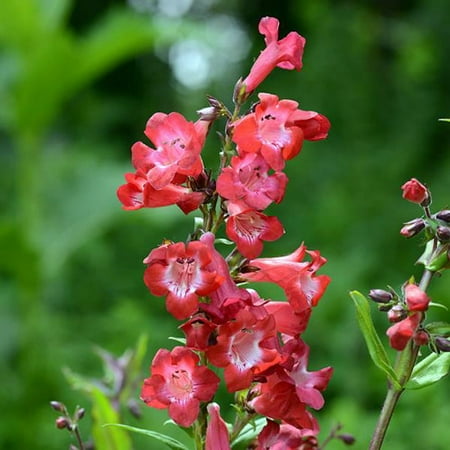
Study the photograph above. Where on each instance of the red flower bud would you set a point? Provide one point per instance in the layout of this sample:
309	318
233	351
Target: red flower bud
62	422
415	298
421	337
416	192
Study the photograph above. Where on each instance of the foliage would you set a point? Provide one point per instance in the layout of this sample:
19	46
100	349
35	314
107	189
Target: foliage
76	81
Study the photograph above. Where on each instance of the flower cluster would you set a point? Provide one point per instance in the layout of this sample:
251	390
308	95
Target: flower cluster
256	341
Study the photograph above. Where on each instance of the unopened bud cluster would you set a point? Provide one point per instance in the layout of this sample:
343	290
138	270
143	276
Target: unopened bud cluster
405	312
65	420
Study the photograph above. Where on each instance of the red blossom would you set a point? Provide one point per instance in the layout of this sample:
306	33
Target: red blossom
401	333
250	228
415	191
285	53
217	437
247	181
275	130
285	437
416	299
245	347
178	146
287	321
295	276
179	271
178	383
198	330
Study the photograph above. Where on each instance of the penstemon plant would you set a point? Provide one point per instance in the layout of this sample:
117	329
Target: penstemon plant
410	332
256	344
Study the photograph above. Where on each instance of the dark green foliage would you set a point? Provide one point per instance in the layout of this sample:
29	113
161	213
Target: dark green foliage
78	83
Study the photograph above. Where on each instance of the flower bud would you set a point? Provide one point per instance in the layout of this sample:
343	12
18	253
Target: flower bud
208	113
416	298
416	192
62	422
421	337
396	313
79	413
57	406
442	343
444	215
443	233
412	228
380	295
346	438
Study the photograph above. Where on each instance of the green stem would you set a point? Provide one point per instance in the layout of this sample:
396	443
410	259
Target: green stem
404	366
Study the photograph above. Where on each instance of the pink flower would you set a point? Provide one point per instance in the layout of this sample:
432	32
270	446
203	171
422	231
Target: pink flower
250	228
178	383
287	321
296	277
178	146
198	330
415	298
217	437
247	181
285	437
179	271
285	53
415	191
276	131
401	333
245	346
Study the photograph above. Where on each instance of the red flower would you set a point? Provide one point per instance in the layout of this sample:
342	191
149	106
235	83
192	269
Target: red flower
285	437
217	437
179	271
275	130
228	291
286	319
178	146
415	298
250	228
198	330
285	53
178	383
415	191
298	278
245	346
401	333
247	181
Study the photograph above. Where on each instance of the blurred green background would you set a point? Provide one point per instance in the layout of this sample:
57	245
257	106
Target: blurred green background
79	79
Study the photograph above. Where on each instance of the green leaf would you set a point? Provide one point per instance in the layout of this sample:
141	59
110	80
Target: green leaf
169	441
249	432
373	342
444	120
103	412
430	370
439	328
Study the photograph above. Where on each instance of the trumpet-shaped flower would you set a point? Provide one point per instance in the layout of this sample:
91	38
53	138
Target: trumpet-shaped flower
179	383
179	271
285	53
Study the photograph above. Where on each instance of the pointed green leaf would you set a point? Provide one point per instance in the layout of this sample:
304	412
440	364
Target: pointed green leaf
373	342
250	432
430	370
167	440
439	328
103	412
